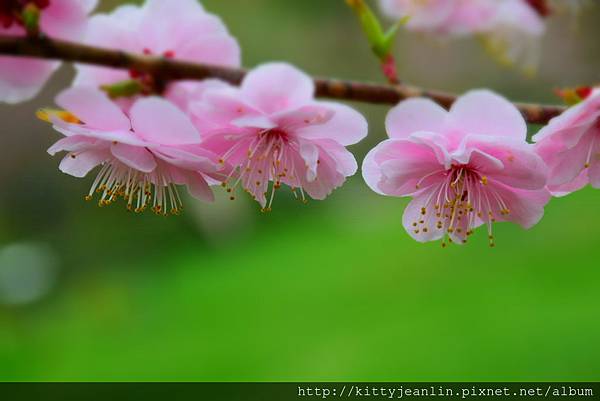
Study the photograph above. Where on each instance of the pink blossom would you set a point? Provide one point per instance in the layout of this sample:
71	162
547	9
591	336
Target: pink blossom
273	130
463	168
514	34
22	78
144	156
446	17
570	145
512	29
180	29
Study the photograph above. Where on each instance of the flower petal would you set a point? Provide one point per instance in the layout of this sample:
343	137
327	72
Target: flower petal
122	136
345	161
65	19
164	26
483	112
82	163
423	15
346	126
571	124
526	207
327	177
74	143
262	122
94	108
276	87
219	107
199	188
184	94
594	168
413	216
310	154
371	171
21	79
158	121
230	146
199	160
511	162
104	30
400	167
575	185
217	49
135	157
292	120
414	115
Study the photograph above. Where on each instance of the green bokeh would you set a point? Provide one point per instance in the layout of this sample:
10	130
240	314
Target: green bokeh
332	290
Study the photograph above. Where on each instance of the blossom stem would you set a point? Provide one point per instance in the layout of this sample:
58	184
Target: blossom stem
169	69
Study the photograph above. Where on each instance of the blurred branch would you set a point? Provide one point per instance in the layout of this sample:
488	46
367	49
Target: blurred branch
168	70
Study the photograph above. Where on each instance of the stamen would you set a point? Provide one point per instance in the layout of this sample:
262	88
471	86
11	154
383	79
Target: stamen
269	162
590	151
462	199
116	180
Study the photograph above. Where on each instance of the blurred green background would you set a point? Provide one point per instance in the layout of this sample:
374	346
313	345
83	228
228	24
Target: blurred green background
332	290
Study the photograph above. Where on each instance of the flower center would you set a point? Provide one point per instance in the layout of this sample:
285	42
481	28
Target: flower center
459	204
11	11
139	190
271	156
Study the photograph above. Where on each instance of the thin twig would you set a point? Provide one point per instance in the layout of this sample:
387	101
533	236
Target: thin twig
169	70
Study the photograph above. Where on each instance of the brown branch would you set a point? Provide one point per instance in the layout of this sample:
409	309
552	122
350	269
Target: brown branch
168	70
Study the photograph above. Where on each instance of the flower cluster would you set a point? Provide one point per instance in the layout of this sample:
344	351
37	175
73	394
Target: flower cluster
266	133
467	167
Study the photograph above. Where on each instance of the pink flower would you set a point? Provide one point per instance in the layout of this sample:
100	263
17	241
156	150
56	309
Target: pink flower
570	145
273	131
144	156
22	78
173	29
512	29
446	17
515	33
464	168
